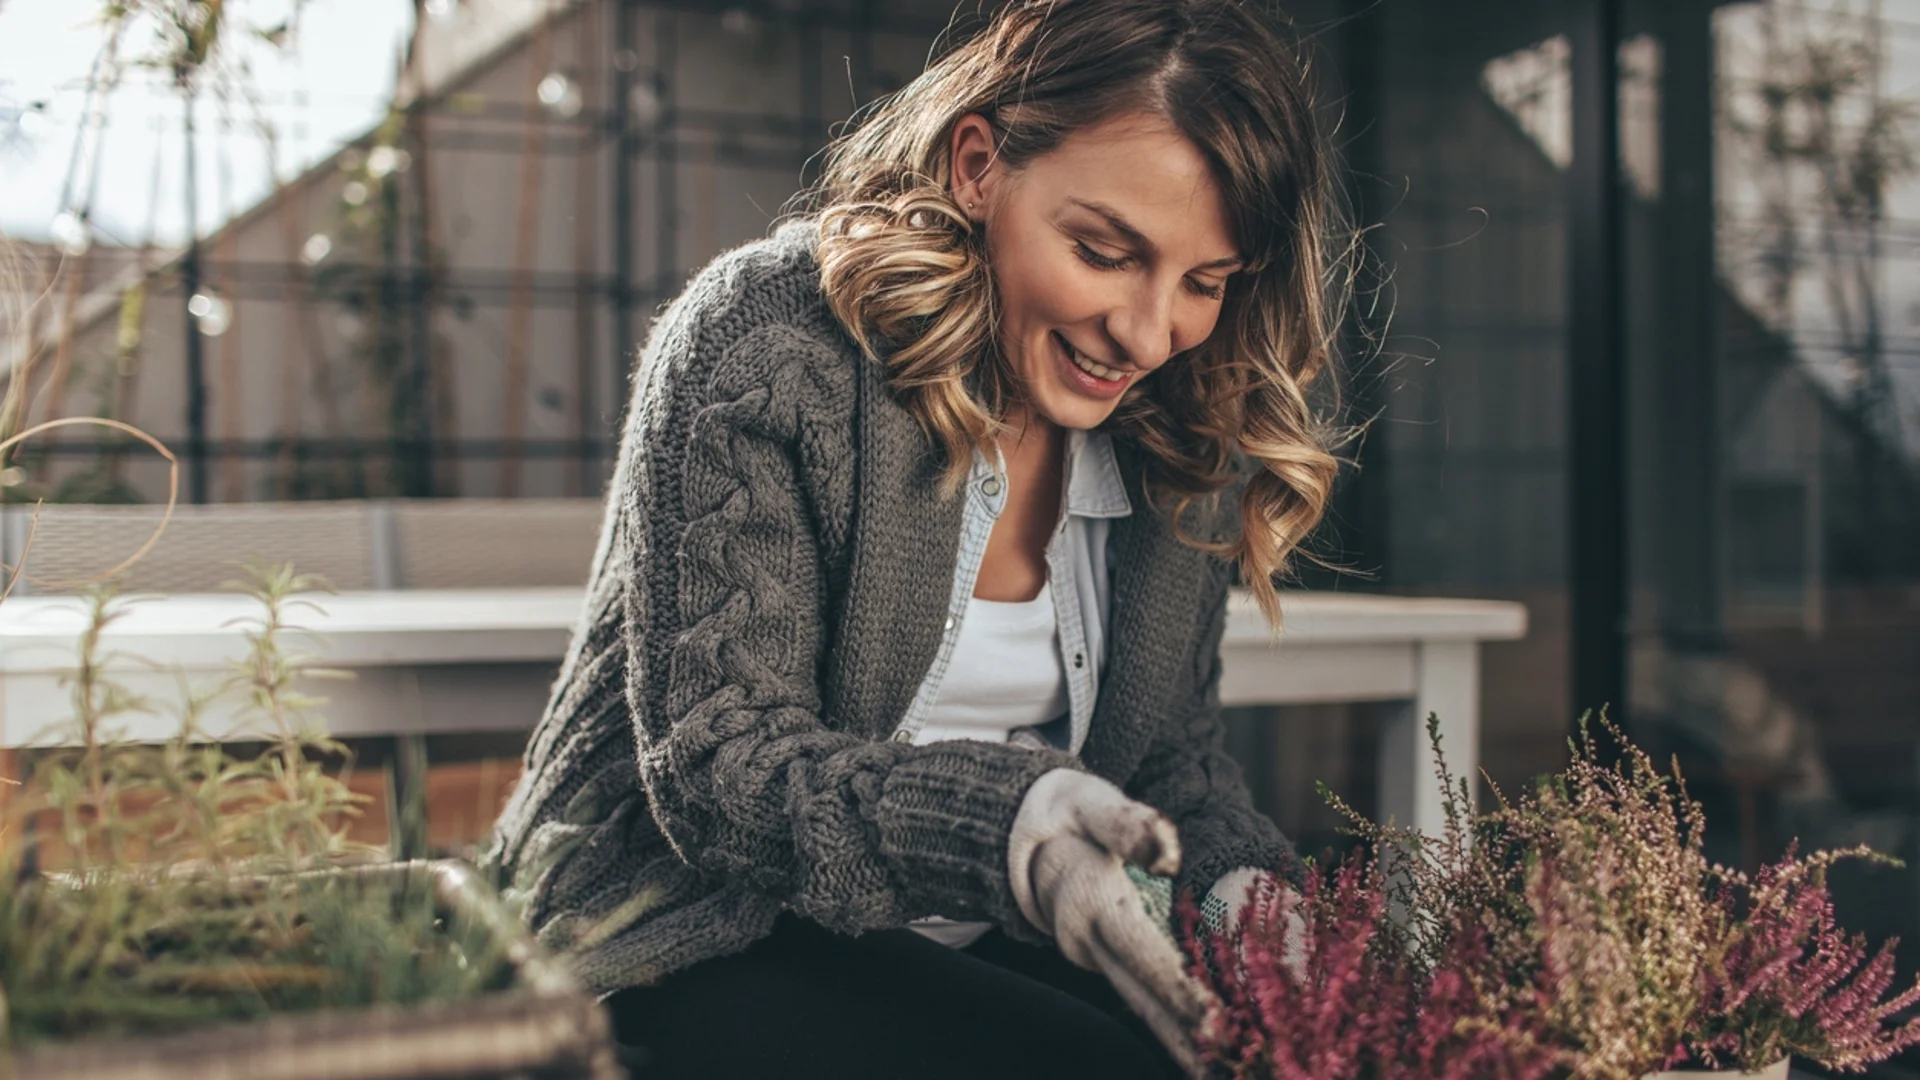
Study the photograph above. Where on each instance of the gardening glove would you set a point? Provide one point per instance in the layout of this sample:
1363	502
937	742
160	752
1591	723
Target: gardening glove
1225	907
1067	856
1225	904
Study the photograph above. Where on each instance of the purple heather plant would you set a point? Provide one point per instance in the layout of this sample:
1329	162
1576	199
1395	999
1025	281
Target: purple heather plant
1617	923
1785	979
1347	999
1577	931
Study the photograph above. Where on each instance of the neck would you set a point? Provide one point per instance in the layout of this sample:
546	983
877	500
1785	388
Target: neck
1025	431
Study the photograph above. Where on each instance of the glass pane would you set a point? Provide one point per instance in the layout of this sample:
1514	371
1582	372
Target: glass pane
1462	162
1776	424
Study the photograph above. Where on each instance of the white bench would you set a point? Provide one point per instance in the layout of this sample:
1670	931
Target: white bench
433	661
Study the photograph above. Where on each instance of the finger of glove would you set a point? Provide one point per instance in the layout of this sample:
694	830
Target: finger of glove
1089	898
1076	881
1174	1033
1132	939
1132	830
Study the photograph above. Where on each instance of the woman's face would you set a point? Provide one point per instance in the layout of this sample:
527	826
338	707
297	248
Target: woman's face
1110	255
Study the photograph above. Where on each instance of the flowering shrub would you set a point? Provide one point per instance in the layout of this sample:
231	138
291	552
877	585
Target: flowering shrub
1578	930
1787	980
1337	994
1618	918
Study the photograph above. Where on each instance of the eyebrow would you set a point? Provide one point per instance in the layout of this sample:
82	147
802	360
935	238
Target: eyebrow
1139	239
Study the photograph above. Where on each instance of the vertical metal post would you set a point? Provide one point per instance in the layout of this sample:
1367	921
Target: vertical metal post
1596	387
1688	427
1362	502
626	58
666	210
407	797
420	296
190	285
420	281
390	346
587	222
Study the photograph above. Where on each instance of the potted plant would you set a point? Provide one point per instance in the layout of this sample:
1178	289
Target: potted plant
181	910
1323	984
1784	979
1578	930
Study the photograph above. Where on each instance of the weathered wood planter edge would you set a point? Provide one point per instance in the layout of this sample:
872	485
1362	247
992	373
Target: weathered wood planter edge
545	1026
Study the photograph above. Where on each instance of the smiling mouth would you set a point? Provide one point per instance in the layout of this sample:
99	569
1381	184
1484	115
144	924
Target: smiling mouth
1094	368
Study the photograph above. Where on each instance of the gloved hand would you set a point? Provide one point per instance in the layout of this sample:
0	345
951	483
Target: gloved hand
1066	859
1228	904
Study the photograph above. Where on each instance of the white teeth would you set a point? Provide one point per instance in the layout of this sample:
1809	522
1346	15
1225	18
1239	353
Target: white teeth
1098	371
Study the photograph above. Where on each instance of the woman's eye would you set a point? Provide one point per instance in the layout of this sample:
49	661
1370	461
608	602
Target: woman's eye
1096	259
1211	292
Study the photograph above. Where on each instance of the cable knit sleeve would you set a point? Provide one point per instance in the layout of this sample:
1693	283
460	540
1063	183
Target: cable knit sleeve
726	638
1188	775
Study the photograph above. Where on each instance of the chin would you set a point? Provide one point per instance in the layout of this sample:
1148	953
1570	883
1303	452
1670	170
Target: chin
1065	410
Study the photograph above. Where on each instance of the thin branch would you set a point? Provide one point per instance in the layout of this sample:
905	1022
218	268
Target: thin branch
18	570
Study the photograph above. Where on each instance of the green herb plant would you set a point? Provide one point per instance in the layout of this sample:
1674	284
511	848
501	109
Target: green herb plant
148	886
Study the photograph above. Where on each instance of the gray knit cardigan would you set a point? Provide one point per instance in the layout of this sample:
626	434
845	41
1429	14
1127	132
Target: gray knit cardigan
768	593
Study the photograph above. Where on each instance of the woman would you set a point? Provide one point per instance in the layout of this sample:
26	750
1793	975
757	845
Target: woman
902	639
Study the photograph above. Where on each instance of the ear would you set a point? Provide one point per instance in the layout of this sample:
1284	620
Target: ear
973	177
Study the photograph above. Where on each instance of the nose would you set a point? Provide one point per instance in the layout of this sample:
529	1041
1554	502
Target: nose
1143	327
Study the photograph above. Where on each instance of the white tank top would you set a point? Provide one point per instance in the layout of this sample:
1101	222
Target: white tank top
1005	673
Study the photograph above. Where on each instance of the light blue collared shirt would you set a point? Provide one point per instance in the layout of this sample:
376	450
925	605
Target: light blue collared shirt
1076	567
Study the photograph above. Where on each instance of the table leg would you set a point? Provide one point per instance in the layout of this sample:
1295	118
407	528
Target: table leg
10	780
1447	684
407	831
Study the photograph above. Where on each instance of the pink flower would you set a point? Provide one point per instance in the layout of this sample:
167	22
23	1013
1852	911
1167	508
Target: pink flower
1787	979
1362	1006
1577	930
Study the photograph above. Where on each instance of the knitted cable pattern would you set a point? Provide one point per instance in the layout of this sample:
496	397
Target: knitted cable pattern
766	595
745	781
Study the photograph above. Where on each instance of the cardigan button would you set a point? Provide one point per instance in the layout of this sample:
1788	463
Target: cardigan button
1079	660
991	485
949	624
903	736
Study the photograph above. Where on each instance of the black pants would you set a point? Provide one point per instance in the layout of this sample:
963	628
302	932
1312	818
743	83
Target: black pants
890	1005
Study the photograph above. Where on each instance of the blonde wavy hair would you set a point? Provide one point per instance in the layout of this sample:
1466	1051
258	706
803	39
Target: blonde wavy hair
907	273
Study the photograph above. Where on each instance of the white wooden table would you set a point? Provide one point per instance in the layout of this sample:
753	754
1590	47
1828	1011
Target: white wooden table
467	660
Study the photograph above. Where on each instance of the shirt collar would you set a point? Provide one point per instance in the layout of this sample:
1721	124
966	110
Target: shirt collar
1094	487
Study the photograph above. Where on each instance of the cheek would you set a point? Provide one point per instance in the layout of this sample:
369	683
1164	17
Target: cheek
1066	292
1196	328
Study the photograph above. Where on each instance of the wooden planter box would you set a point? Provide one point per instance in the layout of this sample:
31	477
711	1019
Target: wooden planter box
545	1026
